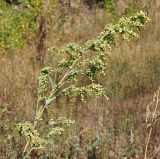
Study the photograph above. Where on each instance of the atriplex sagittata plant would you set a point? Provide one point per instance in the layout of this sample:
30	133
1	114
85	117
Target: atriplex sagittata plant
81	62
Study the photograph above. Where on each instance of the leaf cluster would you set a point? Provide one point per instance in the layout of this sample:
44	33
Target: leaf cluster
17	23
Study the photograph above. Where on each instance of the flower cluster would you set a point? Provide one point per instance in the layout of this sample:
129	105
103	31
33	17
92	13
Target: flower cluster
31	135
62	121
95	90
54	133
89	60
44	79
58	128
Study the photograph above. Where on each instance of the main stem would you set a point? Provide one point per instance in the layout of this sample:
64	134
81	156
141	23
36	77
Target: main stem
50	96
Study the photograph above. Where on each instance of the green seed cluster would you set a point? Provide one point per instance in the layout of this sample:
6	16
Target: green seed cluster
62	121
89	60
31	135
44	79
55	132
59	126
95	90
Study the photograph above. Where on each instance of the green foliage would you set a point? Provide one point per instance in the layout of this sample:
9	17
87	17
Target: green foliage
17	23
136	5
115	9
110	8
85	62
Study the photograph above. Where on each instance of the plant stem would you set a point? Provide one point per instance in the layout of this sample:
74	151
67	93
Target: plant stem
27	144
28	153
152	121
25	148
148	139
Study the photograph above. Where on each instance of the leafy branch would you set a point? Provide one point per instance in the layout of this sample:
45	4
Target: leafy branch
80	62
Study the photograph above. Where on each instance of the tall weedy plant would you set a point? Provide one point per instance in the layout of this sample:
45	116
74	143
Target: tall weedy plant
80	62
